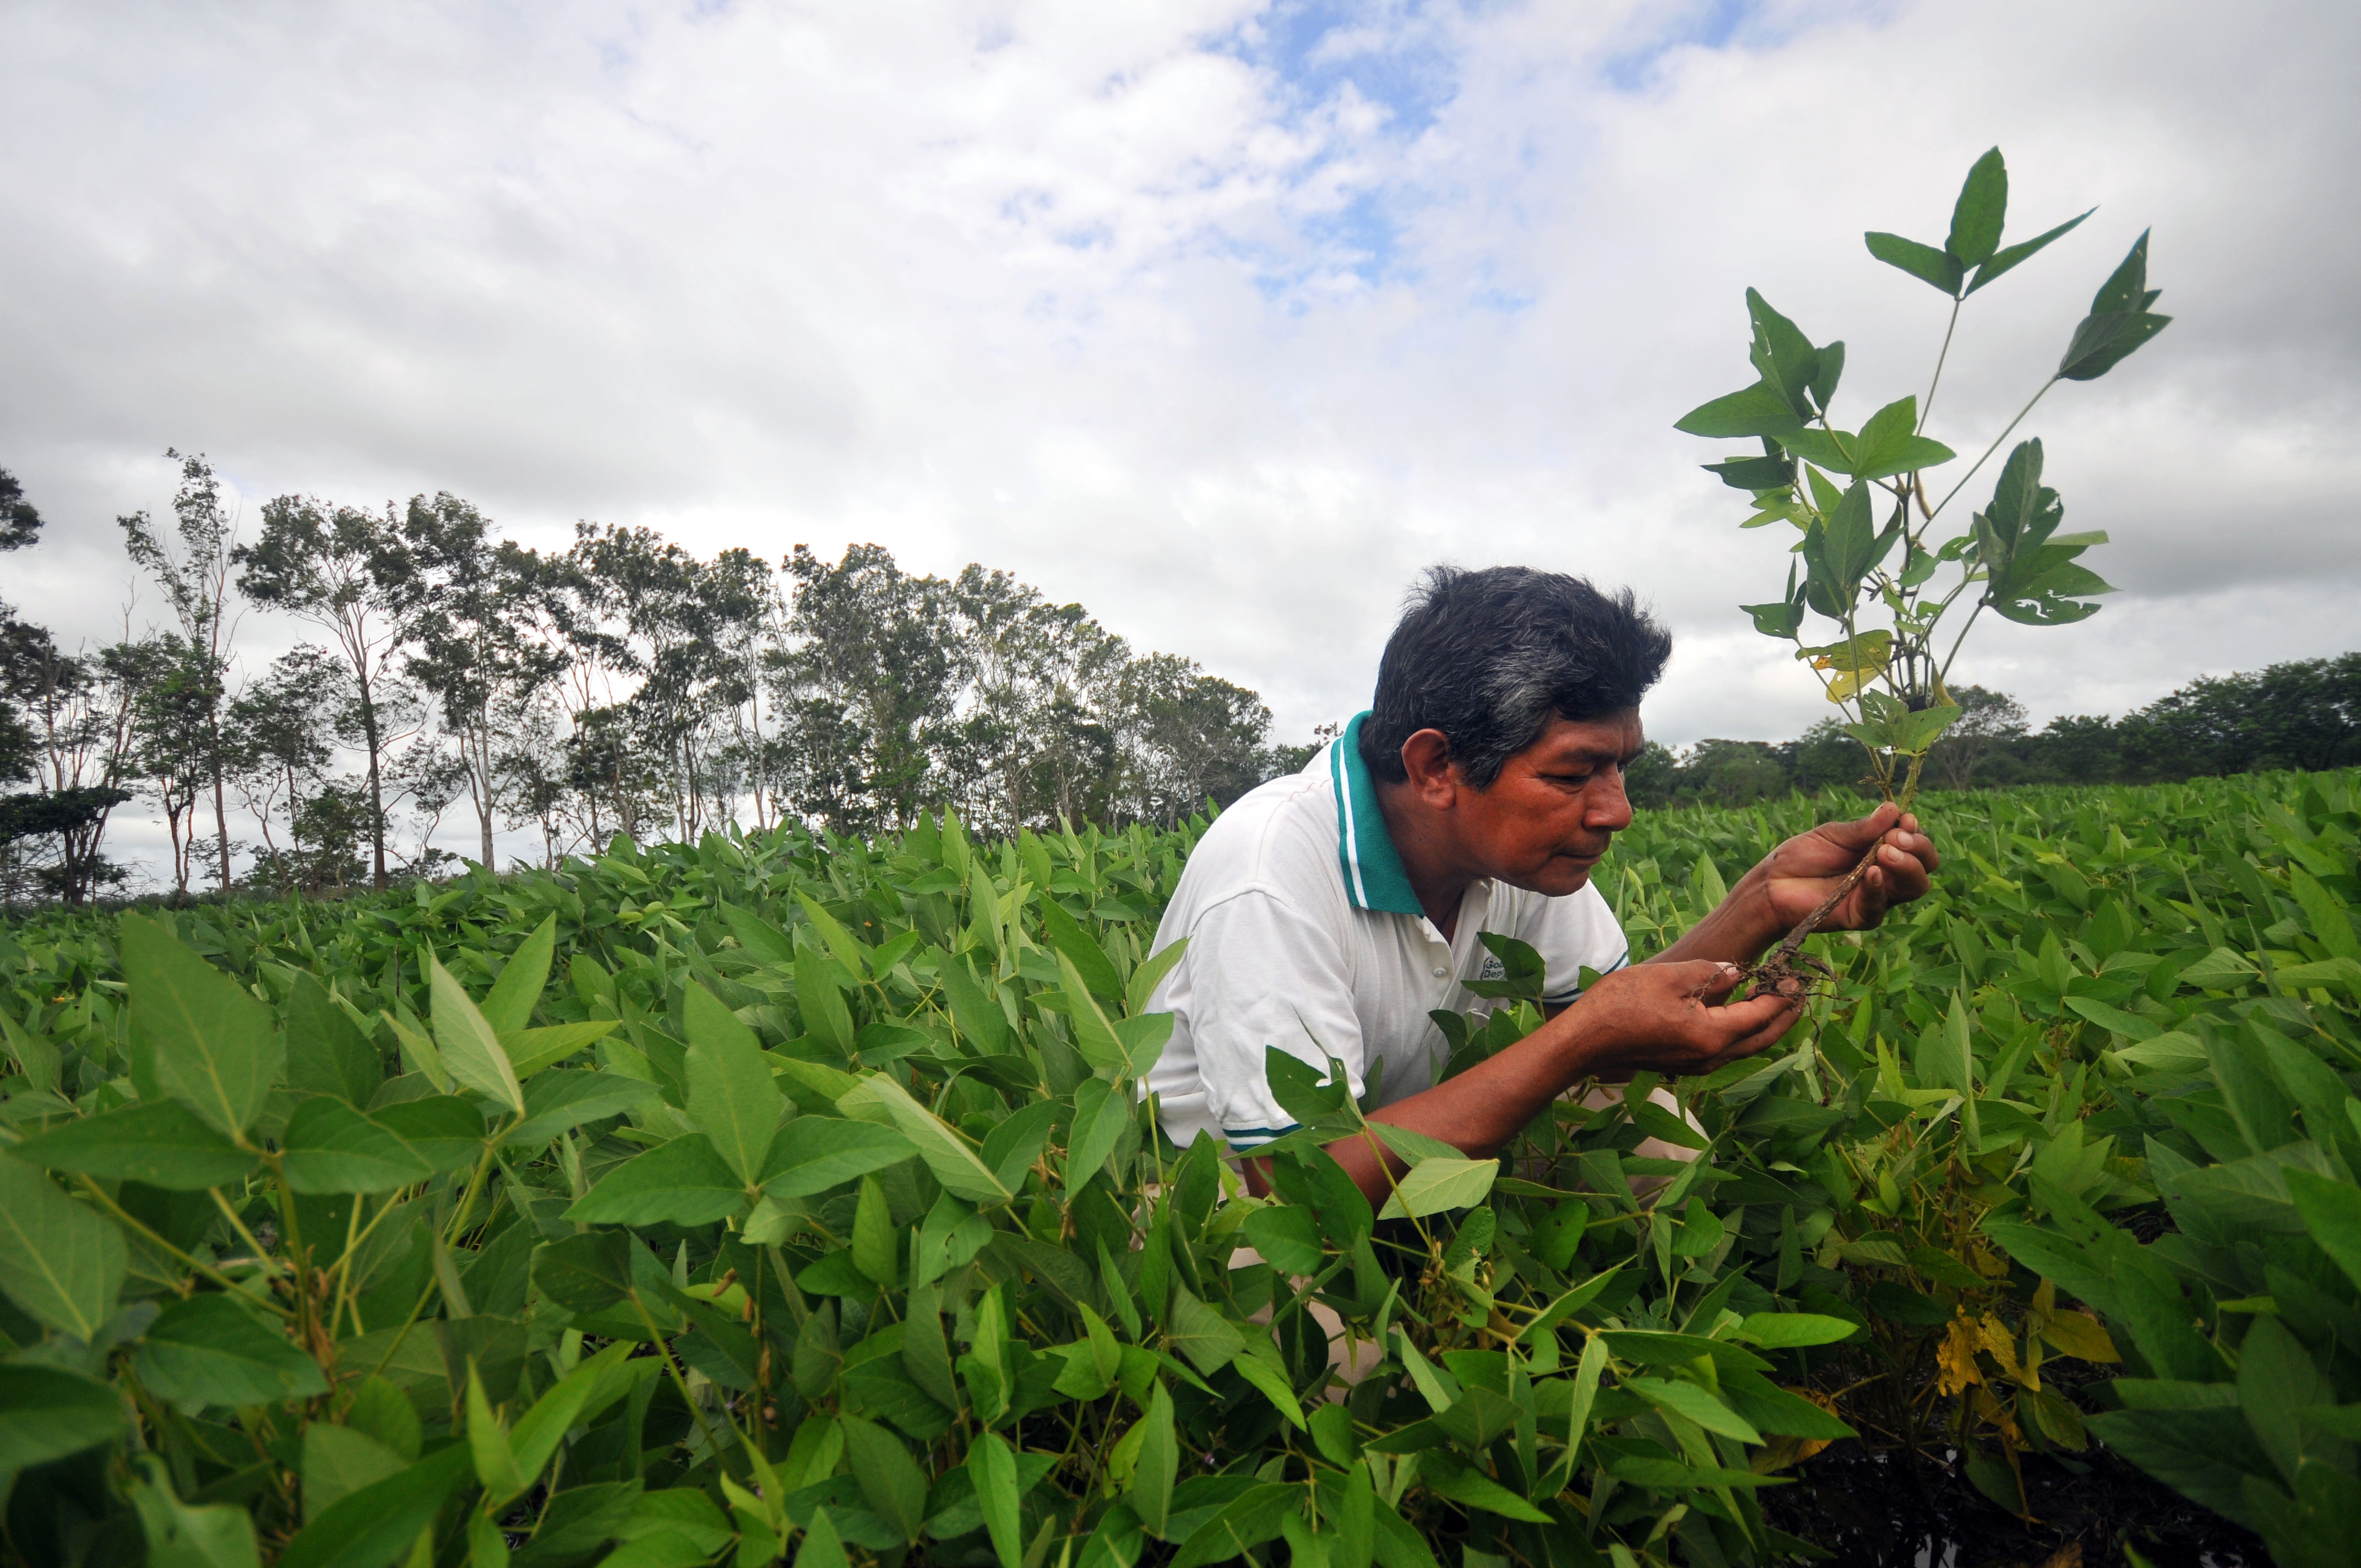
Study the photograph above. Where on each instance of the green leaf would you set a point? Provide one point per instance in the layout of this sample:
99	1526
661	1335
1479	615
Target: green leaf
59	1261
531	1050
850	950
1696	1404
825	1017
541	1428
331	1147
1937	268
1793	1330
443	1130
1977	216
821	1152
1446	1476
731	1098
47	1412
1071	942
587	1272
877	1246
1101	1113
757	936
682	1182
510	1006
993	1470
947	1154
1150	1493
1274	1387
1781	353
338	1461
2332	1217
488	1443
214	1535
974	1008
2004	260
1200	1333
1436	1184
1288	1237
558	1101
1151	973
209	1350
822	1548
195	1035
159	1142
889	1479
371	1528
1247	1520
326	1052
1889	443
2119	322
1758	410
470	1050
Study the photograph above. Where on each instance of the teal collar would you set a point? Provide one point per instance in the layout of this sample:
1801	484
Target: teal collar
1374	877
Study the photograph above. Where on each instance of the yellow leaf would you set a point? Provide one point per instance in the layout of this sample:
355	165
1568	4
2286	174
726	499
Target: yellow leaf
2080	1335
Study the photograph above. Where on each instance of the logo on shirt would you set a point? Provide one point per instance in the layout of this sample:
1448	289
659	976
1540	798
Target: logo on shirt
1493	967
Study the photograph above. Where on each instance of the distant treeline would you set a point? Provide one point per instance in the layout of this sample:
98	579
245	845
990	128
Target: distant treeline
623	685
2303	715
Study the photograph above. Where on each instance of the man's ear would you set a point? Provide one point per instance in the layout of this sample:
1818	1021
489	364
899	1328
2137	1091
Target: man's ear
1433	775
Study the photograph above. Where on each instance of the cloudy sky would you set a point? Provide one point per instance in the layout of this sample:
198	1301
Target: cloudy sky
1221	317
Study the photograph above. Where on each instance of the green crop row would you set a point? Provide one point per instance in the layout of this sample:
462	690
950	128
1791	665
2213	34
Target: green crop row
790	1197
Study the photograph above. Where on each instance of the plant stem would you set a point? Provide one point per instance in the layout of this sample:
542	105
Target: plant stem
1950	326
2003	436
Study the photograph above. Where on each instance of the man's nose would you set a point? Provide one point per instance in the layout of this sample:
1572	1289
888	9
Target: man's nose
1608	808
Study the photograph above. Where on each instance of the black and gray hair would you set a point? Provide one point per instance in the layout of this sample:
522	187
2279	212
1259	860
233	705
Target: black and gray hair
1488	657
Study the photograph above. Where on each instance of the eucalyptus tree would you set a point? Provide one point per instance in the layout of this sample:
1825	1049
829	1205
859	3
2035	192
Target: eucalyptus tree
77	724
284	730
1186	737
176	722
20	523
191	563
456	599
341	568
873	671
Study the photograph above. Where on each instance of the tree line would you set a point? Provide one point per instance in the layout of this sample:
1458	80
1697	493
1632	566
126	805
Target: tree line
2303	715
623	685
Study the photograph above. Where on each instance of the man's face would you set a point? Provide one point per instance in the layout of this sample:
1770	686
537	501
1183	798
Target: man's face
1546	820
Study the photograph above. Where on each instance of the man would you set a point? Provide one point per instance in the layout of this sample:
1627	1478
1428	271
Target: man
1327	913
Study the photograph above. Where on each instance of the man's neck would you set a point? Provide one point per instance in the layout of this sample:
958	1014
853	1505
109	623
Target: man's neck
1430	856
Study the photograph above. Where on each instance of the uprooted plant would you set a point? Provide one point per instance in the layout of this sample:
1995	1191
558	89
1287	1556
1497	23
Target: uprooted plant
1859	500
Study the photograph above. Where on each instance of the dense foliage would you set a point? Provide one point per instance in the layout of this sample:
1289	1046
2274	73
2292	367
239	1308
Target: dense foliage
786	1195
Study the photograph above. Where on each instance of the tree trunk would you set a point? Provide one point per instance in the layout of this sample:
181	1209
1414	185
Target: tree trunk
221	819
377	792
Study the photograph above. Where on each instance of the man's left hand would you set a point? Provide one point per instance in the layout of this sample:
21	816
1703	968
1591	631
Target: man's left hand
1805	869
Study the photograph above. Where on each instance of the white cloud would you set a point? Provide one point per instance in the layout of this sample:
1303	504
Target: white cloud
1221	319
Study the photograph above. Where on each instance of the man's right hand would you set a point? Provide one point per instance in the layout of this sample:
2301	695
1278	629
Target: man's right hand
1670	1019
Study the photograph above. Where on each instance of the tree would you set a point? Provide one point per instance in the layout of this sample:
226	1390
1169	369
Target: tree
19	524
284	730
340	568
192	566
456	599
1987	719
78	721
1187	736
870	682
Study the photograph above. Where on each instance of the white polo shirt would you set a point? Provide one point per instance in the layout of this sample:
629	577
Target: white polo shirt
1304	934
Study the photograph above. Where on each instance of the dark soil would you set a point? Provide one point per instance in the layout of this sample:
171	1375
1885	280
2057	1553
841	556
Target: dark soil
1889	1510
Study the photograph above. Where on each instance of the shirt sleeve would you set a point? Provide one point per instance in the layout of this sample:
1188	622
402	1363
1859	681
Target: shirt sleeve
1572	933
1261	975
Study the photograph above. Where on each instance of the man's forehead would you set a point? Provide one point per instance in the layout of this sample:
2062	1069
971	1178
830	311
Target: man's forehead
1608	737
